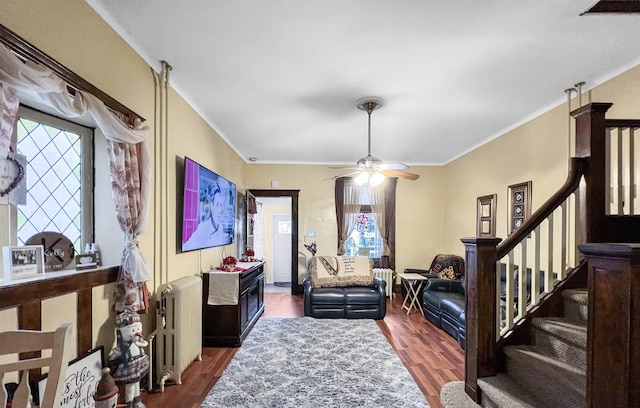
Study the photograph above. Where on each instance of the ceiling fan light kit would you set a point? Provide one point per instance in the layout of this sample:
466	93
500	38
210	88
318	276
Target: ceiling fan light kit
370	170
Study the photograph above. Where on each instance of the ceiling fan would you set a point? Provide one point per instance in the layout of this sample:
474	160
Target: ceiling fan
370	170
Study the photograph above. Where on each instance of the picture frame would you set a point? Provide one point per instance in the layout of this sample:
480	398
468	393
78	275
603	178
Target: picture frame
22	262
86	261
519	205
486	216
81	380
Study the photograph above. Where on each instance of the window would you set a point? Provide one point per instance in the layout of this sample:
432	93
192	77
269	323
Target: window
366	220
365	237
59	177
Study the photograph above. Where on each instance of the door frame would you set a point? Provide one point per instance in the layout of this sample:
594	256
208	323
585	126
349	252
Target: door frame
296	287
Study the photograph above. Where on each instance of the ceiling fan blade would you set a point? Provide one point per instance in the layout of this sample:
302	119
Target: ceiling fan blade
343	175
349	167
400	174
393	166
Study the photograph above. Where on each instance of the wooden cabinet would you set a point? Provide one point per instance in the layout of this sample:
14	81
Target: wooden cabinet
229	325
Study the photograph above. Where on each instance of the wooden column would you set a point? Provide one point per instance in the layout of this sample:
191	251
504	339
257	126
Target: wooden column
85	317
613	331
481	309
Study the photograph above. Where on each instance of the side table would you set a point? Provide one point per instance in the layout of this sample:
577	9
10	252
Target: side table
413	283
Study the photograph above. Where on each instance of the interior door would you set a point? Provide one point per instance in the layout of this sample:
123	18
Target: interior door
281	248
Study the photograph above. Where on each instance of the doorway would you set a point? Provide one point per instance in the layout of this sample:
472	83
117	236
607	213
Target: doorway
281	249
296	287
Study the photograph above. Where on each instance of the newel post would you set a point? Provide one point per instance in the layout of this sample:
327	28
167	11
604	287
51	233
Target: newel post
481	311
613	328
591	144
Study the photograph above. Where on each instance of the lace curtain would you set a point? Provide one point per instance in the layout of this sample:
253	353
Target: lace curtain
129	161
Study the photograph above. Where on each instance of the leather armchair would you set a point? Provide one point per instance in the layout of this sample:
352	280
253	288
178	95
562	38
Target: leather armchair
439	263
350	302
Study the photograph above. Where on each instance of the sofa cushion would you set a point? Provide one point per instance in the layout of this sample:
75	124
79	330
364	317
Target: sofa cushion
443	261
339	271
447	273
434	298
361	295
453	305
327	296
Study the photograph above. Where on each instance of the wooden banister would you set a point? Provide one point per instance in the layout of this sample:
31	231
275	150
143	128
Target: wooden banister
577	168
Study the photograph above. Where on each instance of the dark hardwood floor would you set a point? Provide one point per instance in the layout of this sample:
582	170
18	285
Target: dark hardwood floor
433	357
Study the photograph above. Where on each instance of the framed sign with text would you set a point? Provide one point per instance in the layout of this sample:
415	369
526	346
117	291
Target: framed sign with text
81	381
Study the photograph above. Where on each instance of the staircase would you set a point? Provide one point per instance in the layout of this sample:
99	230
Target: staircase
519	351
551	373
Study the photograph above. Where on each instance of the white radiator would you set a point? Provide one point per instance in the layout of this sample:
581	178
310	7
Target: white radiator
387	275
178	334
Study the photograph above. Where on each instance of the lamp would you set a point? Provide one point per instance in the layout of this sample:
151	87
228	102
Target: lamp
369	178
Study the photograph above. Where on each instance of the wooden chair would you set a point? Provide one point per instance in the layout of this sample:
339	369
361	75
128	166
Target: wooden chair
28	341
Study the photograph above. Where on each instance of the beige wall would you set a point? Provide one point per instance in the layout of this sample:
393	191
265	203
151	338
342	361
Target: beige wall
535	151
419	210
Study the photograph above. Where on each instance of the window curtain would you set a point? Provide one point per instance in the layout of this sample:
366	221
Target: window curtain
347	196
382	199
129	160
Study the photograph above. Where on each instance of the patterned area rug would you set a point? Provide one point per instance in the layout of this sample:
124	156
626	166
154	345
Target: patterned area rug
307	362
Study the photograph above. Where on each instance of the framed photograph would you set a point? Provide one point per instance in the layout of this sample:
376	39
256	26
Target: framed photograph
519	205
81	381
486	216
23	261
86	261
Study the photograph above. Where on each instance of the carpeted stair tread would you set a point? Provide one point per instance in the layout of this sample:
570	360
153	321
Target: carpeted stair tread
502	391
568	330
577	295
562	384
562	339
576	305
452	395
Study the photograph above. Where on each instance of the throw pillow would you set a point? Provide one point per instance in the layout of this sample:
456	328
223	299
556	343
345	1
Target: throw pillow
447	273
335	271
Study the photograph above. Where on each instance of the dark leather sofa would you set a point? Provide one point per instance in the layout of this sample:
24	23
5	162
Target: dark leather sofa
350	302
444	302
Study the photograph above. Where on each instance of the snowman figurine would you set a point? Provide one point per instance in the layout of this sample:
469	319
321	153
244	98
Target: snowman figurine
127	360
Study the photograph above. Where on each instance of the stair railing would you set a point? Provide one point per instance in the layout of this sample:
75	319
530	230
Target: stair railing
602	208
493	311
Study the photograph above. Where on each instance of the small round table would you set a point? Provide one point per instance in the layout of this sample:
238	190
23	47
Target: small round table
413	282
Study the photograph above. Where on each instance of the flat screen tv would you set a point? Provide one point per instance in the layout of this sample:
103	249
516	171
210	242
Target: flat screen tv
208	215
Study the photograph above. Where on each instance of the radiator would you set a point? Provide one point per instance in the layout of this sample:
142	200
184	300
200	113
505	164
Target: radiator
387	275
178	334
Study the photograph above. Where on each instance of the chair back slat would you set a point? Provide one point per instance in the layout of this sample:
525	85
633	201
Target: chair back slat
25	341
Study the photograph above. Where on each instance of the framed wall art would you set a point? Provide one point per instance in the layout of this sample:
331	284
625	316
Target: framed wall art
23	261
519	205
486	216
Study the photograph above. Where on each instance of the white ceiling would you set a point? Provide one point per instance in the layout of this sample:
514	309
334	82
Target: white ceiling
279	79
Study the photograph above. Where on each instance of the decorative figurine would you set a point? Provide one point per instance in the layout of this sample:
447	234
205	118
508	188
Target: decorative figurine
127	360
106	395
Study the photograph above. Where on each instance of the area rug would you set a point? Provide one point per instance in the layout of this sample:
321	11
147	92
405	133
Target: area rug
307	362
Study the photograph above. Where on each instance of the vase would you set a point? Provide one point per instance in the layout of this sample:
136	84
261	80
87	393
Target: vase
229	267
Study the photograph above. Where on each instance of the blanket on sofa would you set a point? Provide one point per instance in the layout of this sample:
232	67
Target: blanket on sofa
332	271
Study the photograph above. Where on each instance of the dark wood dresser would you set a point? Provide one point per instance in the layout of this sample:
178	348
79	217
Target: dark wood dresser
228	325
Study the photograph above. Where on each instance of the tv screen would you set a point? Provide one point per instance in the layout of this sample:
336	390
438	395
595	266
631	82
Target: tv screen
208	215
